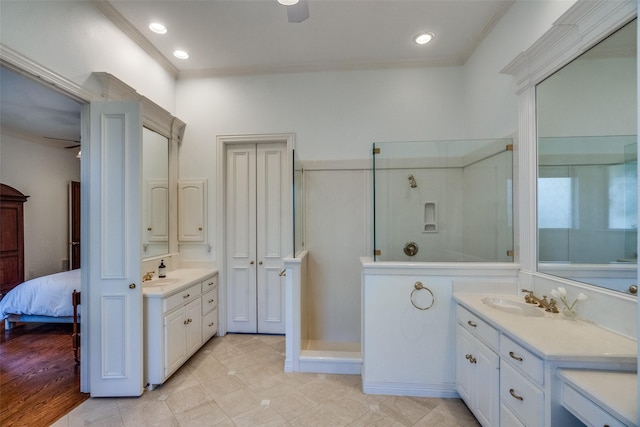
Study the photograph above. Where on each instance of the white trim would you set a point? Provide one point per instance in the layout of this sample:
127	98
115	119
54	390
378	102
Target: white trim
222	141
445	390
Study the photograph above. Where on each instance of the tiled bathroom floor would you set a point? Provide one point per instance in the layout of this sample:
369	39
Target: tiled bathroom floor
238	380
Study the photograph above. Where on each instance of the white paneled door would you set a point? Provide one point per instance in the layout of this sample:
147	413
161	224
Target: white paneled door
256	221
112	291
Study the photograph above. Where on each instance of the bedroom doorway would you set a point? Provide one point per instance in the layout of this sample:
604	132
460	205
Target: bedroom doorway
74	225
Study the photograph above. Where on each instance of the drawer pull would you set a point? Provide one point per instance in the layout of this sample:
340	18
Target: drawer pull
186	296
211	324
513	394
210	284
515	356
472	324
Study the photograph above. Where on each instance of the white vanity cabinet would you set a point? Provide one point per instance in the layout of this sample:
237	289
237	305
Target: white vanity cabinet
178	321
526	389
477	364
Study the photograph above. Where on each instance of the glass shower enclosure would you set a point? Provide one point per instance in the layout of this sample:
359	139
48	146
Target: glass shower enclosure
443	201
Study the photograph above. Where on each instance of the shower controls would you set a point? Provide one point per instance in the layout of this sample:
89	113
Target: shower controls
410	248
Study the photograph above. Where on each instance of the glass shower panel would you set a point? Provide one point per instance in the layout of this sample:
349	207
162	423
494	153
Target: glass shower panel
443	201
297	197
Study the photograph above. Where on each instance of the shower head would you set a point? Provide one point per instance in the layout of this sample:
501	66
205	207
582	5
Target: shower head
412	181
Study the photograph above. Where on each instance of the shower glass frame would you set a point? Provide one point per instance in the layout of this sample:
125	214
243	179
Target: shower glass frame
452	200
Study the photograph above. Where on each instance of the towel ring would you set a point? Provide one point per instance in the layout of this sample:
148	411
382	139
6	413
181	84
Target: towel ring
418	286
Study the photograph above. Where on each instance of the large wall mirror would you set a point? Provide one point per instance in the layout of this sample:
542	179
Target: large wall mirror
587	116
155	194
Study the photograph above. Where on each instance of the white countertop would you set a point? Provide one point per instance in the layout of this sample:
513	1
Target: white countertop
615	392
184	277
554	337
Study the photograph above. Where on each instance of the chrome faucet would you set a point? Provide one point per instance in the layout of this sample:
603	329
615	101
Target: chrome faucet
148	276
549	305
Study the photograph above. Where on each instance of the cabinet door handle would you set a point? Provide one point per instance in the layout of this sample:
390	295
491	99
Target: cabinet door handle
186	322
211	300
211	324
472	324
515	356
513	394
186	296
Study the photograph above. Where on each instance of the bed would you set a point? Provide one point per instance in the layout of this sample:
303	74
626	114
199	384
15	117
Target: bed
44	299
48	299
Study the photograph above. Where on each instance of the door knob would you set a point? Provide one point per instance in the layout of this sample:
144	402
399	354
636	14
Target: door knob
260	263
251	262
132	286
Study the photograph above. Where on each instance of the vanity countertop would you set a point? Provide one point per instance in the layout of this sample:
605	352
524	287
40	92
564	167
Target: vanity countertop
615	392
554	337
184	277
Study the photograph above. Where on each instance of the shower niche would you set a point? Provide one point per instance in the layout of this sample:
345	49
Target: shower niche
451	199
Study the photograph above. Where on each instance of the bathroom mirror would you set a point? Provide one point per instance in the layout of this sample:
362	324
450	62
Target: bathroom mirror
587	165
155	194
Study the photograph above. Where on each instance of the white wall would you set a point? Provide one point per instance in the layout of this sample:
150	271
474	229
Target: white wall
42	173
490	97
74	39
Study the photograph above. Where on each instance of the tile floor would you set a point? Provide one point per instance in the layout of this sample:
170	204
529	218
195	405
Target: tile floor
238	380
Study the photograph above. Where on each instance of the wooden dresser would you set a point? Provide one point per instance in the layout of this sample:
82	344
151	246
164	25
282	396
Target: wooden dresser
11	238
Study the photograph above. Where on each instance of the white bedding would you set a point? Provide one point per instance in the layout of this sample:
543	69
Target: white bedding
43	296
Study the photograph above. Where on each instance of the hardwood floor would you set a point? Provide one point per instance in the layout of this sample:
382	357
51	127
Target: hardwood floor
39	380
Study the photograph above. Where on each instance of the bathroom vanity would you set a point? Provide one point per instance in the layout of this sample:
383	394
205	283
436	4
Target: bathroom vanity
509	356
180	315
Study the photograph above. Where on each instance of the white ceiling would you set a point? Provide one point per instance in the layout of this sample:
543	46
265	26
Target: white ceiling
226	37
248	36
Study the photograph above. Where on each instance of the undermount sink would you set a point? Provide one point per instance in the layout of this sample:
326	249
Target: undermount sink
513	307
160	282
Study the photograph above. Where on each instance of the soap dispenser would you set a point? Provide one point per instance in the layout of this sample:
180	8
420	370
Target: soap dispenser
162	269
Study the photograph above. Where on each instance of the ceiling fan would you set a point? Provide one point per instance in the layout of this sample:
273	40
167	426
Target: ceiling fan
76	141
297	10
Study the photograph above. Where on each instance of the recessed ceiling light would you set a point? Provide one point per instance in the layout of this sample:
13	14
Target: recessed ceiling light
423	38
180	54
158	28
288	2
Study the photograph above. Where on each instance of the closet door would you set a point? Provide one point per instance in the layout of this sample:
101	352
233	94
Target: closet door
256	219
272	221
241	238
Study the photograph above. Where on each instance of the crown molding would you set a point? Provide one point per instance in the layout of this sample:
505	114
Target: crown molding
126	27
577	30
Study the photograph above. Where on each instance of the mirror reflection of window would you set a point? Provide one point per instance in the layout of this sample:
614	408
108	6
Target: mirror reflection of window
555	206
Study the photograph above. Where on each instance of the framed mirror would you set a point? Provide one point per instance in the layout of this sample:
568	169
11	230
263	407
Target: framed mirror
155	194
587	165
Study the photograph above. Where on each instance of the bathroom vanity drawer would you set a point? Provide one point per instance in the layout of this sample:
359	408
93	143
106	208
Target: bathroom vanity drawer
478	327
209	301
521	396
526	362
210	283
585	409
181	297
507	419
209	325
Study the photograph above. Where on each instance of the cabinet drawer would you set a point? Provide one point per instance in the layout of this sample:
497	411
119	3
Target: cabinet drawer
210	283
526	362
507	419
209	301
209	325
585	409
521	396
181	297
478	327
